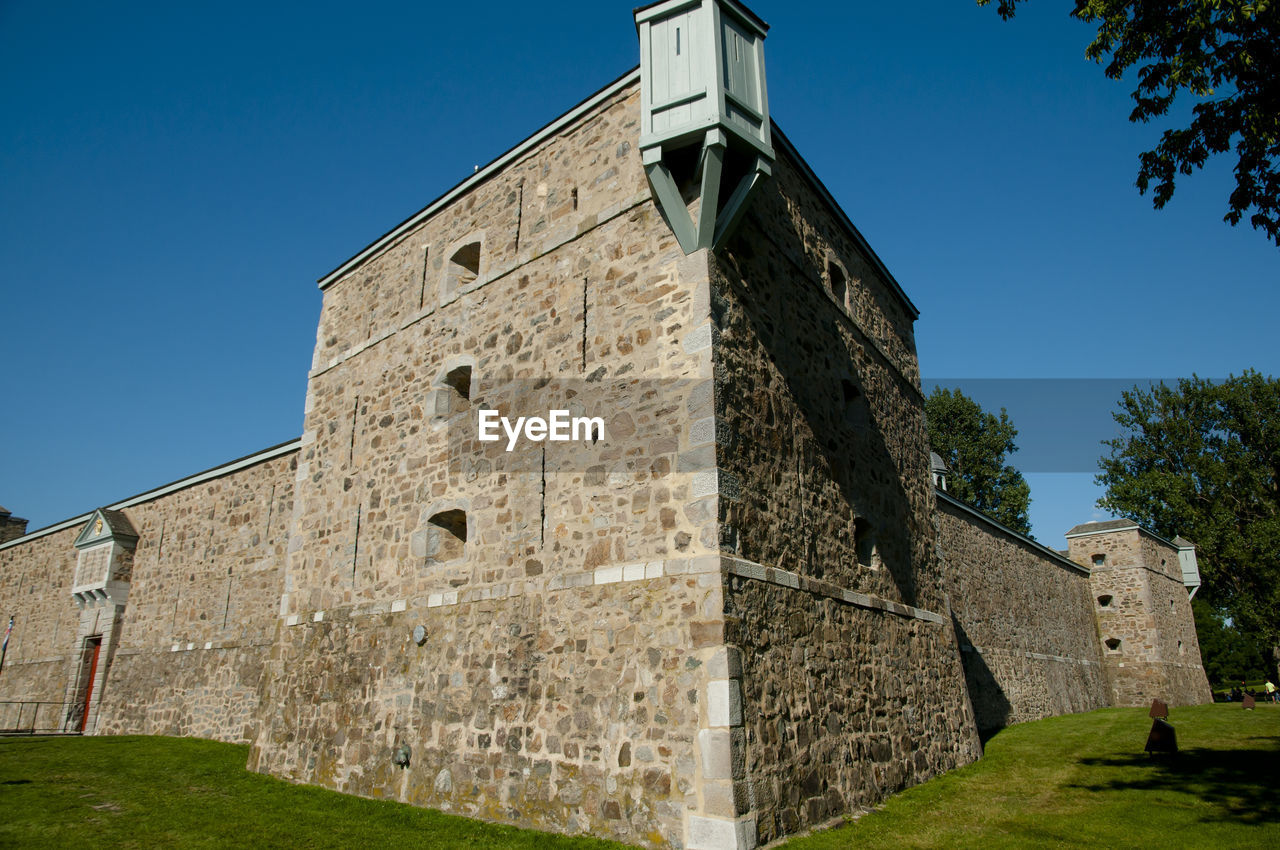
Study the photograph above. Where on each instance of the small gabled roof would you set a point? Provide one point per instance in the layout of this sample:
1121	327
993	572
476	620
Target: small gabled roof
1183	543
114	525
1099	527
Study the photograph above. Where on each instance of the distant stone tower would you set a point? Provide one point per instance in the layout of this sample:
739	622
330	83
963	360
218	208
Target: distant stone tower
1142	586
11	527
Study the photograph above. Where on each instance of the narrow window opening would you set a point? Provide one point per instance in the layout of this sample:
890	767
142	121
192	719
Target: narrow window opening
355	415
1099	560
448	537
836	281
464	268
864	542
1104	601
426	262
856	412
1113	644
460	380
519	210
355	545
1180	649
226	611
574	195
584	324
677	41
271	505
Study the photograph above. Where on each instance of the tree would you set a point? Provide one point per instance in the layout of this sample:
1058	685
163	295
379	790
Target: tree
1229	655
974	445
1203	460
1223	53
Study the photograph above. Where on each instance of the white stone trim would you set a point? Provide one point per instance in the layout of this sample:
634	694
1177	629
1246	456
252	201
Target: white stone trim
720	834
724	702
785	578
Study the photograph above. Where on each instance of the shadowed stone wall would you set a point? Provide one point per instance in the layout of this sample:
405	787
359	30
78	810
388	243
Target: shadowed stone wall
851	685
1024	620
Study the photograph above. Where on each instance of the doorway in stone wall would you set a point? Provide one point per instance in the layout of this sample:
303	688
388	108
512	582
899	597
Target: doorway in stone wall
83	697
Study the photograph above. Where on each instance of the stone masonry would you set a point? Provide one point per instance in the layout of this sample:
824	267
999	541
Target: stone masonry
1149	643
1023	619
737	610
184	655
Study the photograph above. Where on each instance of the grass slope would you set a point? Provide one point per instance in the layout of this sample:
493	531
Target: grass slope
1080	780
142	792
1084	780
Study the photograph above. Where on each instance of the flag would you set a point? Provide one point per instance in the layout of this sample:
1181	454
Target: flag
7	632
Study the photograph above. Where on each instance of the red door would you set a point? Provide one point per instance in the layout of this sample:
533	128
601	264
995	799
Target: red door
92	650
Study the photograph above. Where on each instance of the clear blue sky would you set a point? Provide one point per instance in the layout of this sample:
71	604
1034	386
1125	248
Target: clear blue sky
174	177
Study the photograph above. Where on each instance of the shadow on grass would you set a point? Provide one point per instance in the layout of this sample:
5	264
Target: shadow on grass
1240	783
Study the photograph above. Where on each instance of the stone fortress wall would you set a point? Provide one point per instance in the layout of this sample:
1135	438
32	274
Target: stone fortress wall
1023	620
570	612
741	613
826	531
184	654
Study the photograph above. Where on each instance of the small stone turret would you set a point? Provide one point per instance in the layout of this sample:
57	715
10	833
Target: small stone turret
1140	585
11	527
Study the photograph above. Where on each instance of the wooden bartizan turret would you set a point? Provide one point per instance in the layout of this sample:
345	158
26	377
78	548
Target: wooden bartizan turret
705	113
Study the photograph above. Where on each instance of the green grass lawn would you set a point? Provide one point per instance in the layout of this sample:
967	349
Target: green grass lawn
1083	780
1080	780
172	792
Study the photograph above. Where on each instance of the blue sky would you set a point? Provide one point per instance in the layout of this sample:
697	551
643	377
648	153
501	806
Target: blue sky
173	179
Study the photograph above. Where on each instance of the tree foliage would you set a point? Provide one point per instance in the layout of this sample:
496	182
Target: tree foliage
1229	655
1223	53
975	444
1202	459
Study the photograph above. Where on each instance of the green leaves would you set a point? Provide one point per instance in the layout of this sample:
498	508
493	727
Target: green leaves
1223	53
975	444
1202	459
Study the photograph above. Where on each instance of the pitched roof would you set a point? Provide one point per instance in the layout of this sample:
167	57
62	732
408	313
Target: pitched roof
118	523
1099	527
